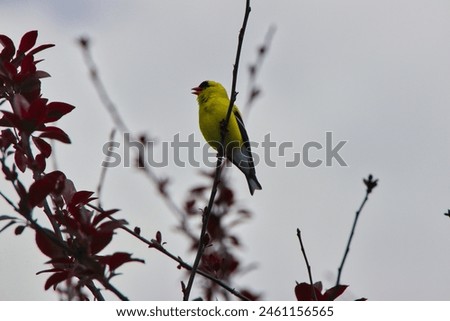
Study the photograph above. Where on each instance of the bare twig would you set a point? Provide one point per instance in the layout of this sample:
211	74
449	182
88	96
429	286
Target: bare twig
9	202
113	289
370	185
122	127
94	290
156	245
186	266
307	265
98	84
203	240
253	90
104	168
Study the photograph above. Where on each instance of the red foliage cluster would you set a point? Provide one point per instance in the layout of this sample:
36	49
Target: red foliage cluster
220	257
304	292
79	230
20	85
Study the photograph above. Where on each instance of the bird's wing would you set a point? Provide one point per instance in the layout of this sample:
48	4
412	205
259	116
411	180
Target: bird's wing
240	122
243	158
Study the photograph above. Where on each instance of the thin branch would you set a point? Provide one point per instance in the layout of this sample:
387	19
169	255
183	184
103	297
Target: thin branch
156	245
203	240
255	68
113	289
101	180
9	202
370	185
307	265
121	125
95	291
48	212
100	88
186	266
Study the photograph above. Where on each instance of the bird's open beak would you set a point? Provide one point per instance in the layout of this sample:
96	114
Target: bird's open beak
196	90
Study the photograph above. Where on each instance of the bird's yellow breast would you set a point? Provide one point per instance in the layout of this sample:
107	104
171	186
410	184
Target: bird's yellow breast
211	113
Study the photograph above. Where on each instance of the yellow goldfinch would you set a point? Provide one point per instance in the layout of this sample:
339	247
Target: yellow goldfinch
213	105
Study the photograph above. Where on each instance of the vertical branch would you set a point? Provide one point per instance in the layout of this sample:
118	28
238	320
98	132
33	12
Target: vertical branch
308	267
370	185
253	90
98	84
159	247
204	240
105	168
121	126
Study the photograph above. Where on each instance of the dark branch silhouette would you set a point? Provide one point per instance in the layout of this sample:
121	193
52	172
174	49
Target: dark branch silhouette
308	267
204	239
156	244
370	185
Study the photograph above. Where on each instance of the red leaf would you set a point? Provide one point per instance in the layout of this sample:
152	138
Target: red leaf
9	50
100	241
28	41
189	207
7	138
81	198
8	71
318	285
46	245
119	258
41	74
40	163
225	196
20	106
27	66
55	110
50	183
55	279
19	229
21	160
10	120
110	226
212	262
30	88
334	292
44	147
97	219
55	133
40	48
49	270
303	292
36	113
62	262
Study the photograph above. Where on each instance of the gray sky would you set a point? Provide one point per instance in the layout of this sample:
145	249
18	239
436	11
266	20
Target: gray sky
374	73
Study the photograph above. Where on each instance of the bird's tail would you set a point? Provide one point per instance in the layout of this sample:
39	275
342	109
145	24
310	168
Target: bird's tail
242	158
253	183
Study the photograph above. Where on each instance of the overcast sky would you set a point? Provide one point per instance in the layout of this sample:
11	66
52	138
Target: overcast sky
374	73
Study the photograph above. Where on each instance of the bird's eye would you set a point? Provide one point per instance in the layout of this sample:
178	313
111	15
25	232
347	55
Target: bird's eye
204	84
